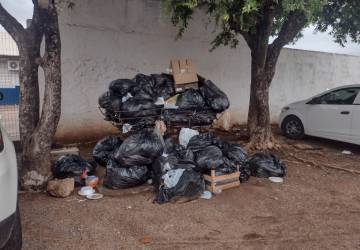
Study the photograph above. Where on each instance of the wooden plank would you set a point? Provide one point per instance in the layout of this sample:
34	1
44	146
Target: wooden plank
228	185
215	188
226	177
208	178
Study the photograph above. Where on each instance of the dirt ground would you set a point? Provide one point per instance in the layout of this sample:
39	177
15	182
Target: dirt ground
317	207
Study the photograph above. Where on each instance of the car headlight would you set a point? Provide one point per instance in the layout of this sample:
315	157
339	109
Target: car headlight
284	109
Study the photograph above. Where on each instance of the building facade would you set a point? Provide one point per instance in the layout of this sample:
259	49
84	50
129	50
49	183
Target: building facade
9	85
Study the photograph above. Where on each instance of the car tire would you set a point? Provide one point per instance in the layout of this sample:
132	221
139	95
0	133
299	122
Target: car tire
15	240
293	128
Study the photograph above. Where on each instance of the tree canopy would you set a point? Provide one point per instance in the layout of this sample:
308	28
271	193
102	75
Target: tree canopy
257	21
342	19
244	17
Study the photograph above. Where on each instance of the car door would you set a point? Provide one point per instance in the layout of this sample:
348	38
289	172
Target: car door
330	115
355	124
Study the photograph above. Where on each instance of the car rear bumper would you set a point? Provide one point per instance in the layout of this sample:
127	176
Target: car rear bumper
6	227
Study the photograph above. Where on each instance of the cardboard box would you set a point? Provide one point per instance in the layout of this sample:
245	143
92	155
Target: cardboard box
184	72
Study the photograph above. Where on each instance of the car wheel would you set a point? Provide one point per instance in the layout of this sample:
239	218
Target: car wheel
293	127
15	240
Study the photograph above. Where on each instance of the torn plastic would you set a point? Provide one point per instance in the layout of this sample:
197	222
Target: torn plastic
75	166
185	135
104	149
126	128
119	177
127	97
190	185
172	177
160	166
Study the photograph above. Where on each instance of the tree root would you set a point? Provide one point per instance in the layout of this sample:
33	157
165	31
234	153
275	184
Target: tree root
313	164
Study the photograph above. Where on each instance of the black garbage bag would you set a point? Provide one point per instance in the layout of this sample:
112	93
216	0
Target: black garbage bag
142	94
265	165
201	141
105	101
189	117
227	167
169	144
208	158
214	97
203	118
178	116
110	115
116	103
245	173
139	149
145	88
121	87
75	166
139	124
139	108
118	177
186	156
104	149
190	185
182	154
236	154
190	99
160	166
164	85
145	80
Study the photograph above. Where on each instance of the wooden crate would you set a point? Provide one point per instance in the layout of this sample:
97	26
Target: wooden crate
216	184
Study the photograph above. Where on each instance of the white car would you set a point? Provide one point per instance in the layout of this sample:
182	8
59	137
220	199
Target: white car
334	114
10	226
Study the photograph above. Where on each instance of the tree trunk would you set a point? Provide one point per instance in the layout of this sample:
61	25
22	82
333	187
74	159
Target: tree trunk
259	114
29	93
36	150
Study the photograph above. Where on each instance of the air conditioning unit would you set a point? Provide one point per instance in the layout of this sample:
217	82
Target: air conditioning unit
13	65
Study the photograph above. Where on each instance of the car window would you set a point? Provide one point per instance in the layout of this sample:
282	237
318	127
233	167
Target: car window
341	96
357	99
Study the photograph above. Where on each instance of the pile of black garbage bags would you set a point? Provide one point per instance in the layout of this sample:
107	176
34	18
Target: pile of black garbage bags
136	101
175	170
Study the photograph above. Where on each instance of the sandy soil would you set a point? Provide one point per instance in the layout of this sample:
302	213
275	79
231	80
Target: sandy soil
315	208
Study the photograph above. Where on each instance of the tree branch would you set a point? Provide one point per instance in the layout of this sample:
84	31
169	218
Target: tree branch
11	25
259	48
293	24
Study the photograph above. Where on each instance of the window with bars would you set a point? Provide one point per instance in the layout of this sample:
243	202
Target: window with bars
9	97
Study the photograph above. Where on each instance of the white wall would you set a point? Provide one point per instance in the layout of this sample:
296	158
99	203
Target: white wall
117	39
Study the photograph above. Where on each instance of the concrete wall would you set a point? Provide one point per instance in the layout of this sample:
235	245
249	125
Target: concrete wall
117	39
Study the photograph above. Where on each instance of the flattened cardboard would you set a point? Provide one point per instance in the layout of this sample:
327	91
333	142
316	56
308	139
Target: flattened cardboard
183	71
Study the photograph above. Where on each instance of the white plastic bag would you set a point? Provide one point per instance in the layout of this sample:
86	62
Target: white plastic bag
185	135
